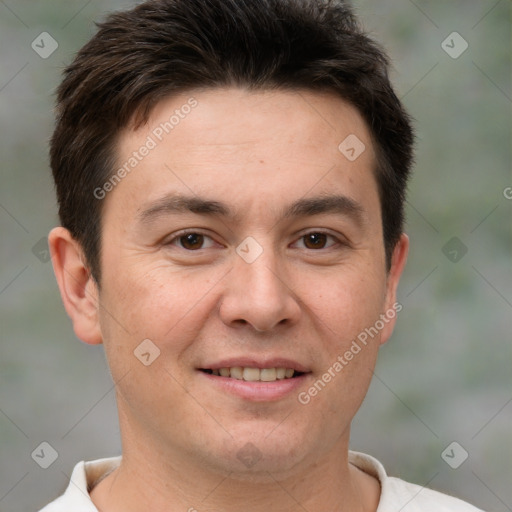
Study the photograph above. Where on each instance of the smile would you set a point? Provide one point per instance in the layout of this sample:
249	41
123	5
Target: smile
251	374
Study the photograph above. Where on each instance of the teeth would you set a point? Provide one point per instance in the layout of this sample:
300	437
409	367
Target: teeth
236	373
268	374
250	374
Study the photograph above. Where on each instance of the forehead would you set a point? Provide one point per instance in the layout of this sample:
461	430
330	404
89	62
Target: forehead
235	113
246	145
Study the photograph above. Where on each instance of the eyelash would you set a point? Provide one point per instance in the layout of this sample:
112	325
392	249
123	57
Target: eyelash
182	234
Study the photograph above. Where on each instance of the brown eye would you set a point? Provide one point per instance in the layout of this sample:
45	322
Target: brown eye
192	241
315	240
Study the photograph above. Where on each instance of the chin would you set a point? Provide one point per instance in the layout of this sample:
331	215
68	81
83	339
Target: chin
251	456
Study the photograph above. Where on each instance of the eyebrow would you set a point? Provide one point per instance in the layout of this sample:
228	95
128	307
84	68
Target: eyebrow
177	203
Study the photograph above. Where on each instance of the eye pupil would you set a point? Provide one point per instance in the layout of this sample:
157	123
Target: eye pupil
315	240
192	241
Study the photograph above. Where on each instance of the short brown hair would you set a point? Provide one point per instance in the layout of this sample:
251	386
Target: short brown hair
140	56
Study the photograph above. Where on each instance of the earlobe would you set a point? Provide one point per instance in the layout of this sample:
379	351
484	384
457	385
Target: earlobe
392	306
77	287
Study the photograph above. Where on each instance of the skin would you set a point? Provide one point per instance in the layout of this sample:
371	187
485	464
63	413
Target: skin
257	152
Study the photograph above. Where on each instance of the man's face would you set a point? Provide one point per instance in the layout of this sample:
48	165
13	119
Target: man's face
284	270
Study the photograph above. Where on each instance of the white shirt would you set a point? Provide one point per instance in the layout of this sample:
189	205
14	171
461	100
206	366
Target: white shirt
396	495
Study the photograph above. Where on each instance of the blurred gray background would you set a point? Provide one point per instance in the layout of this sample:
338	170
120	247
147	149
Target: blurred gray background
446	374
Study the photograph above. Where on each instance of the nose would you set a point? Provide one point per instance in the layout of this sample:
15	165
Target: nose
259	294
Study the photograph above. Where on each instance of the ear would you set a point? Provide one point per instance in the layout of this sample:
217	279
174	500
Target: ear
77	287
392	306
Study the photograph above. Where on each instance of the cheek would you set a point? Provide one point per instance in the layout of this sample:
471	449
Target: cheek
163	305
160	307
345	307
344	303
150	303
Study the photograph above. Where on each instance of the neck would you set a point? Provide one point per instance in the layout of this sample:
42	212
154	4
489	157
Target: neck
159	479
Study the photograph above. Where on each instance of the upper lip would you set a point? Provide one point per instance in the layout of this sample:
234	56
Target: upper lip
252	362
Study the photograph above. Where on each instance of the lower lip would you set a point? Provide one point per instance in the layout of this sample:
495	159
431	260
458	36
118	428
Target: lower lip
257	391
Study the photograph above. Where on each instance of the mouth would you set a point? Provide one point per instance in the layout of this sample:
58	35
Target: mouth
254	374
256	380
